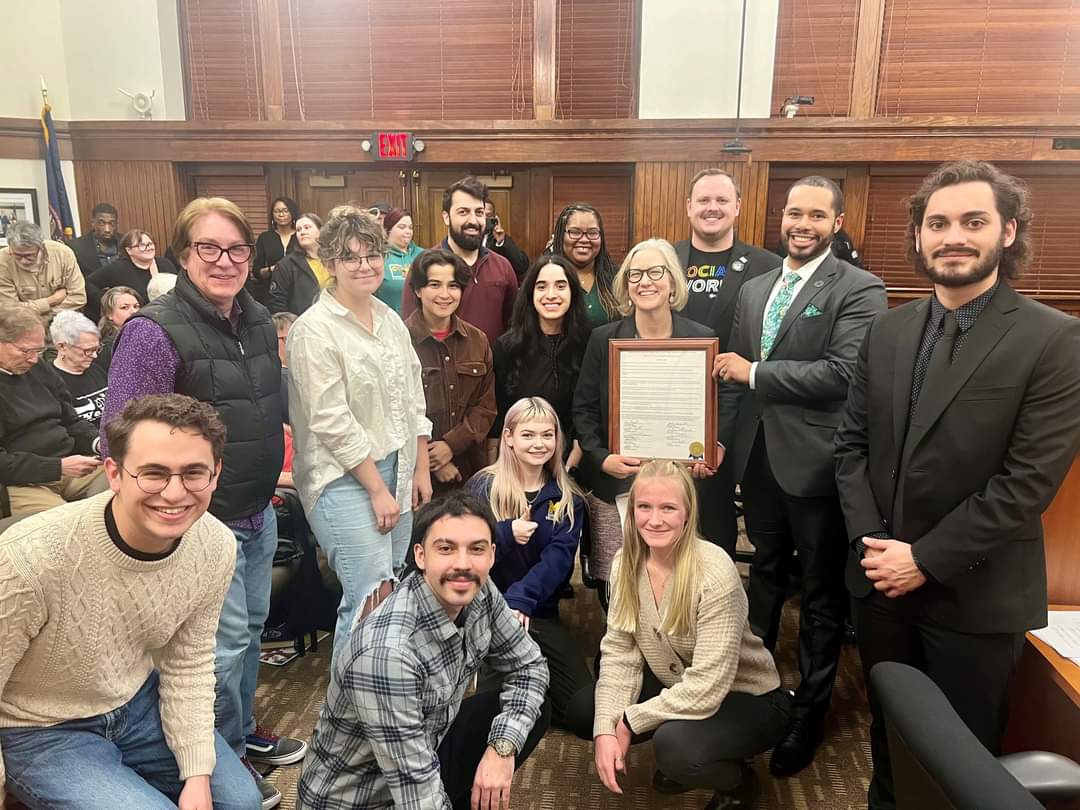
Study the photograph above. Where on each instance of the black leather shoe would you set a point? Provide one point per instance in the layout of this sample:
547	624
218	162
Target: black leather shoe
741	797
797	749
661	784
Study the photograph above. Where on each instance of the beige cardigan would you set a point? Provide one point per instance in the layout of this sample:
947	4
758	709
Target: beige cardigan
719	656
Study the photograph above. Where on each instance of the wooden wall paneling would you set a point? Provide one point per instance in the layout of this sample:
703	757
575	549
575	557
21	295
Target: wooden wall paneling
541	221
883	249
545	67
815	54
366	186
249	192
270	59
597	47
1054	199
220	46
425	59
867	61
856	195
998	57
1061	529
609	191
147	194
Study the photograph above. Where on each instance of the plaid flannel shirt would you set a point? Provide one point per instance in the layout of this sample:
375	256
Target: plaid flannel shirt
394	694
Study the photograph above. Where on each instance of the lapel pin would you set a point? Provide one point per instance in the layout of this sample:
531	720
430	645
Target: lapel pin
738	265
819	283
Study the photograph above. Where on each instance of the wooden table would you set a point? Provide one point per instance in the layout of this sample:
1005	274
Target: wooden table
1044	705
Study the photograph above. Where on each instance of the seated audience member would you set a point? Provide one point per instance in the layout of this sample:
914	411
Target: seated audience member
47	453
458	374
394	731
159	285
137	264
401	251
540	355
678	661
272	245
117	305
579	238
496	238
539	515
117	695
98	246
651	288
39	274
300	275
488	300
78	343
357	410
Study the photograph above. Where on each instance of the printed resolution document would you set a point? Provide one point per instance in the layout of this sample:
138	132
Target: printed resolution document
663	404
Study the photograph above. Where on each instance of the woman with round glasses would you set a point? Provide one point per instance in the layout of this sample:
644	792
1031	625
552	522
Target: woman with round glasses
137	263
78	343
579	238
274	244
651	289
360	432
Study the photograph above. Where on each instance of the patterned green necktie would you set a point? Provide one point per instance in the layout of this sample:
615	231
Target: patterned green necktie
777	310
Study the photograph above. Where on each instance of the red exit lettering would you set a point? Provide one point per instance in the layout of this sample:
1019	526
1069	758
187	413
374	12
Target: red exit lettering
393	145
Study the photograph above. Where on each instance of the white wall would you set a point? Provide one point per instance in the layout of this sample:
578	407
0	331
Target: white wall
31	174
690	58
86	49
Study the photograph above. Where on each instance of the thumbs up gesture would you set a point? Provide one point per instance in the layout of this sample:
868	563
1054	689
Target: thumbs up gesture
523	528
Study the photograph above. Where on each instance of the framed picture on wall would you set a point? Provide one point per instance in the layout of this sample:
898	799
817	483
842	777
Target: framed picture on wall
16	205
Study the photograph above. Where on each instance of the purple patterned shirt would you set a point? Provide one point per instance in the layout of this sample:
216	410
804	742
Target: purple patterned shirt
145	362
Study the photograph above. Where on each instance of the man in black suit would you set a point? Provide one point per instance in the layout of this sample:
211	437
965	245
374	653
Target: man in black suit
963	419
794	342
716	265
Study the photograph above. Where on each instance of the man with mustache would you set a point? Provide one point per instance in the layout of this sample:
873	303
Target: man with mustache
962	421
794	341
488	300
394	731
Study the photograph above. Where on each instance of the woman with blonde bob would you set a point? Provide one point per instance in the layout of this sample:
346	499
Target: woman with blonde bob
650	288
679	662
539	513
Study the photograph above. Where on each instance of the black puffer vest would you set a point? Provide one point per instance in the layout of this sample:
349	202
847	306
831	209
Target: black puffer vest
240	374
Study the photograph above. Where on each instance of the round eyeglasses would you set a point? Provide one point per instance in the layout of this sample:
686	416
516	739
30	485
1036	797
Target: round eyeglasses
654	274
154	481
210	253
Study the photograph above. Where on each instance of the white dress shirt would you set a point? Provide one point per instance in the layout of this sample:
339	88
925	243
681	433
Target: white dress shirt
354	394
804	274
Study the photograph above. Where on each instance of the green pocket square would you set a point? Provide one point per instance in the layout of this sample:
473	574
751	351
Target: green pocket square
811	311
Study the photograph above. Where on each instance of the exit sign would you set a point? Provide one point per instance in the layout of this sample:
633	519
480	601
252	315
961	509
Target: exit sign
393	146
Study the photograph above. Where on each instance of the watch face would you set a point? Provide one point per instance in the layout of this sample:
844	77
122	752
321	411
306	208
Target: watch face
504	748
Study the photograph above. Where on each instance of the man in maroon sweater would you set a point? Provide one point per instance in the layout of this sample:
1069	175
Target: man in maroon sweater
488	299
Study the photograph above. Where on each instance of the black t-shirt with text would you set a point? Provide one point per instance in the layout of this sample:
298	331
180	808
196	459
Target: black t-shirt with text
705	273
88	391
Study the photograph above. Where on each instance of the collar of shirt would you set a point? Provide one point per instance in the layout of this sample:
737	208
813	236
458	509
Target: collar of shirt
966	314
807	269
421	331
433	615
378	311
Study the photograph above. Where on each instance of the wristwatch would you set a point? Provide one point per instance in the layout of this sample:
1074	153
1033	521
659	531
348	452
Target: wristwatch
503	747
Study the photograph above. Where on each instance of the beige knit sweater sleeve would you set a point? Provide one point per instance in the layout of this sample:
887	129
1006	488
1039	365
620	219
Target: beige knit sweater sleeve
622	668
187	682
22	613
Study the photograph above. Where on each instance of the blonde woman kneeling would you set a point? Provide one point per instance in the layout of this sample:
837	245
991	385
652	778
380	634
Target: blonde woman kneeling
678	660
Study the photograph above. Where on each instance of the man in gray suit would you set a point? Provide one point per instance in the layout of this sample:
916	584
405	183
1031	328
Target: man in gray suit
794	342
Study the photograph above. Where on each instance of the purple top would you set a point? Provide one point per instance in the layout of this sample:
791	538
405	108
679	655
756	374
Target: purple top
145	362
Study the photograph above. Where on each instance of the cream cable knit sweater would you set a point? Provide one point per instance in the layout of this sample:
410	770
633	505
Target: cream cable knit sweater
82	625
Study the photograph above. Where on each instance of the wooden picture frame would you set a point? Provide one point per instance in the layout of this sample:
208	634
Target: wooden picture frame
663	397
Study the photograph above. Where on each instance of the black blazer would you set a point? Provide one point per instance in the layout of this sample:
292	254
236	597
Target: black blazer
120	273
85	251
293	286
747	262
268	252
591	401
968	486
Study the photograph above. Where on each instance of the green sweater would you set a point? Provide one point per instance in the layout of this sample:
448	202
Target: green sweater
395	268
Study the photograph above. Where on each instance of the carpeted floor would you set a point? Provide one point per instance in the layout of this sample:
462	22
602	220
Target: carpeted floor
560	774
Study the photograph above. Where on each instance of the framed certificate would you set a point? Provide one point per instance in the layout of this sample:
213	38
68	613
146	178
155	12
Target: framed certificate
663	399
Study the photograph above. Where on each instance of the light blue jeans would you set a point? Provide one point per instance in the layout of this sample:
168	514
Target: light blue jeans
239	633
117	759
344	523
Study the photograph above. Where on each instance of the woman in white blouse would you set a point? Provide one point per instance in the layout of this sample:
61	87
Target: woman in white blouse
358	413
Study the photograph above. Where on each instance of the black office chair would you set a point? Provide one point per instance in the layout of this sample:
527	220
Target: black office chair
938	763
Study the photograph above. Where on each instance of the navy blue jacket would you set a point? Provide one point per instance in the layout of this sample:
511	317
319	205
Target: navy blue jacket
531	575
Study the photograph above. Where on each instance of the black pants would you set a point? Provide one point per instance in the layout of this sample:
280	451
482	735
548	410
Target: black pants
709	753
716	510
570	685
779	524
973	671
466	741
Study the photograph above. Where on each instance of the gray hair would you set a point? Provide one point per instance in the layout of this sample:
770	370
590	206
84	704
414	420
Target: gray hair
679	292
69	324
25	234
16	322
